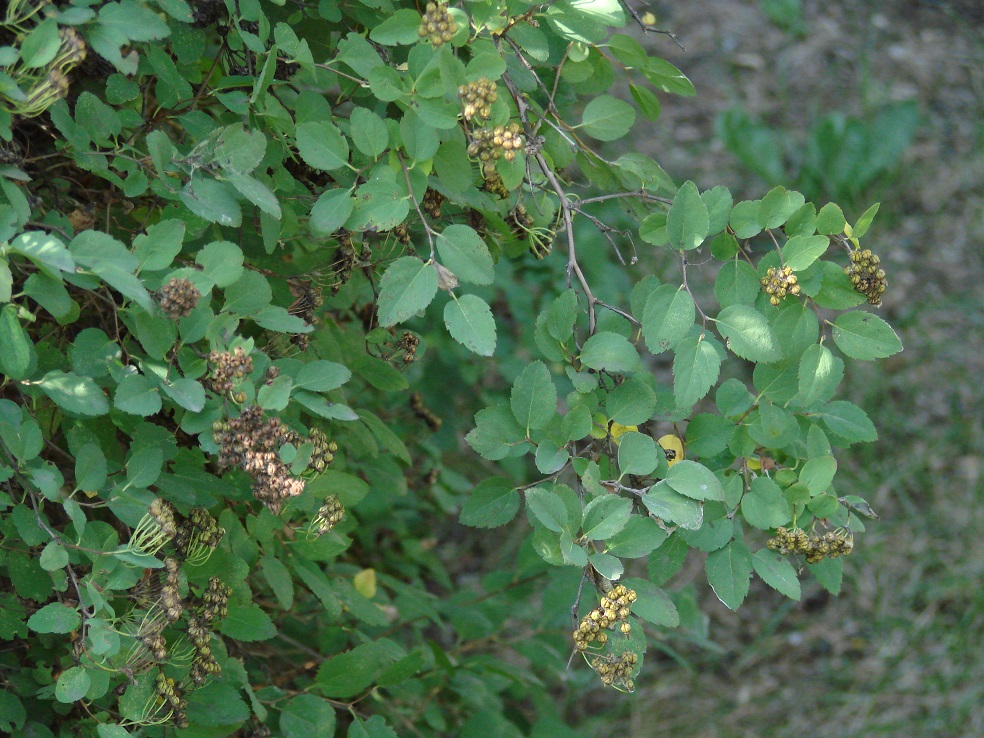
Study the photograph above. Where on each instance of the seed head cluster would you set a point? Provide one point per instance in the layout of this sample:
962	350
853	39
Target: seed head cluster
197	535
614	609
816	547
437	25
173	700
227	368
329	515
494	184
324	450
178	297
616	670
477	98
867	277
500	142
432	202
252	442
778	283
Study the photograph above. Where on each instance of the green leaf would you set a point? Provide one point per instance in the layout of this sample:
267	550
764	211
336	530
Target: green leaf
610	351
639	537
708	434
818	474
864	222
497	435
667	318
667	560
493	502
744	219
733	398
864	336
669	505
256	192
331	210
279	579
687	222
694	480
607	118
72	684
776	206
646	100
830	219
222	262
777	572
18	353
213	201
695	370
653	604
322	146
718	201
248	295
848	421
547	507
608	566
307	716
748	334
379	205
321	376
605	516
369	132
764	506
632	402
247	622
637	454
399	29
73	393
53	557
830	573
464	252
137	395
469	321
799	252
188	393
737	284
534	397
819	374
728	572
45	250
54	618
407	287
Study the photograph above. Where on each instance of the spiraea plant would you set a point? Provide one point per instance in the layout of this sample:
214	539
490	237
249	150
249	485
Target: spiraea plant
254	259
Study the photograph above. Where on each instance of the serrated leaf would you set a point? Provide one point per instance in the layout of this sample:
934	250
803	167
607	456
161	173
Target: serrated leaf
748	334
307	716
777	572
687	222
637	454
469	321
610	351
74	393
728	572
819	374
694	480
864	336
818	473
695	370
799	252
534	397
464	252
667	317
764	506
497	435
607	118
322	146
669	505
408	286
369	132
605	516
640	536
548	508
653	604
331	210
830	219
848	421
247	622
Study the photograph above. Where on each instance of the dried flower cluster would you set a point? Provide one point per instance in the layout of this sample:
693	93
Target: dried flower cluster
178	297
815	546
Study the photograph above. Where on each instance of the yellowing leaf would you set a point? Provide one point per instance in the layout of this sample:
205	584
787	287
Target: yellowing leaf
673	447
365	583
617	430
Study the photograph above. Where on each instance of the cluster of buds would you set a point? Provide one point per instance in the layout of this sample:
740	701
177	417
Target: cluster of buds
477	98
307	299
226	369
171	602
329	515
167	703
197	536
501	142
494	184
779	282
614	609
323	452
49	83
437	25
178	297
433	421
402	233
432	203
155	529
252	442
408	344
616	670
215	600
866	276
203	664
815	546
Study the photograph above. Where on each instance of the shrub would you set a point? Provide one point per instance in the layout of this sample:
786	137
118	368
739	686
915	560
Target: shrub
230	468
